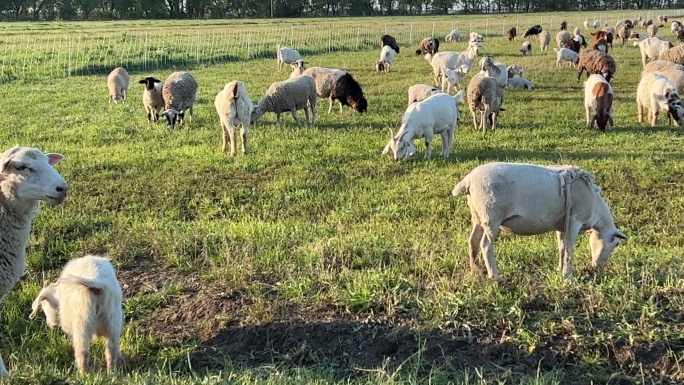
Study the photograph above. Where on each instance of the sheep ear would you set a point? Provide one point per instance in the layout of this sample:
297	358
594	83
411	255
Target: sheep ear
54	158
143	81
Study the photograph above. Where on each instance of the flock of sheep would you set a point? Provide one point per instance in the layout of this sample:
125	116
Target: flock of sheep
525	199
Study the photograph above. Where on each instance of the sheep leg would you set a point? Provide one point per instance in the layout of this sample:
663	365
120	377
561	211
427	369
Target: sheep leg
473	112
640	112
486	118
570	237
243	136
82	349
445	144
428	149
493	120
307	115
560	237
589	120
189	115
230	132
112	353
314	111
654	116
474	246
278	118
296	117
3	369
331	104
487	244
340	102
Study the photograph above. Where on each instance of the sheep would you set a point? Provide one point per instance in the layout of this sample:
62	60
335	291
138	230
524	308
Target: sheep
576	31
544	39
453	78
519	83
652	30
619	23
420	92
600	45
450	59
673	54
572	45
438	114
580	39
586	24
117	83
387	55
597	23
298	66
527	199
179	91
533	31
514	70
348	92
624	33
628	23
652	48
656	93
486	95
562	37
565	54
661	18
564	25
675	27
672	71
390	41
608	36
526	48
454	35
86	302
497	71
152	98
512	33
428	45
285	55
598	96
290	95
475	37
27	176
637	37
596	62
638	19
680	35
234	107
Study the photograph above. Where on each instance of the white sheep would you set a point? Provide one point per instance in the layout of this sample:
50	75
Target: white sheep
27	176
562	37
86	302
652	47
387	55
454	35
514	70
544	40
586	24
519	83
485	95
451	59
152	98
234	107
475	37
656	93
179	92
293	94
527	199
498	71
452	79
675	27
576	31
598	96
597	23
526	48
672	71
117	83
566	55
438	114
285	55
420	92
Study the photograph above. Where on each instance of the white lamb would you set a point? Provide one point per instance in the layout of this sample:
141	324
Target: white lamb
652	47
498	71
27	176
656	93
527	199
117	83
519	83
420	92
514	70
285	55
452	79
86	302
598	96
234	107
437	114
454	35
452	60
387	55
293	94
566	55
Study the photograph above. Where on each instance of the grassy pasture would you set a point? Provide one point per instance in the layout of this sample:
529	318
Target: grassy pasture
315	260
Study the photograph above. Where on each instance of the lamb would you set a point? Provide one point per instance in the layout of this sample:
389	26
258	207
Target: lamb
450	59
290	95
564	25
497	71
438	114
527	199
596	62
562	38
347	91
598	96
652	48
656	93
568	55
454	35
512	33
420	92
234	107
117	83
486	95
152	98
387	55
27	176
285	55
390	41
514	70
673	54
624	33
179	91
86	302
652	30
544	39
519	83
453	78
533	31
672	71
526	48
675	27
428	45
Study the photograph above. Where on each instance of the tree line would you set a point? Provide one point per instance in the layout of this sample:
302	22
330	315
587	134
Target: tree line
17	10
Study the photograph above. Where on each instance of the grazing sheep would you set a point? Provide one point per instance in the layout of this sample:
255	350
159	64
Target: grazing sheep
179	91
533	31
27	176
152	98
661	18
598	96
624	33
527	199
438	114
428	45
600	45
673	54
586	24
514	70
573	45
117	83
628	23
675	27
387	55
519	83
486	95
420	92
526	48
285	55
452	60
544	39
453	78
656	93
580	39
454	35
293	94
512	33
564	25
562	38
652	48
234	107
389	41
86	302
596	62
565	54
576	31
652	30
597	23
298	66
672	71
347	91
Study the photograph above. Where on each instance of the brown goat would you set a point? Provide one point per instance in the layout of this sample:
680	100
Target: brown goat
512	33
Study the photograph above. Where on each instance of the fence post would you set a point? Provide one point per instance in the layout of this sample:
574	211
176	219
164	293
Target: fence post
249	39
517	24
197	48
487	28
411	34
145	54
433	28
69	67
329	40
358	37
292	37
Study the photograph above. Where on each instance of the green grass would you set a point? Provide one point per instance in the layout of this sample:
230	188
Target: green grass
316	260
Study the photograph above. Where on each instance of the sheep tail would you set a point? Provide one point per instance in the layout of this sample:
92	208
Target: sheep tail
94	286
462	186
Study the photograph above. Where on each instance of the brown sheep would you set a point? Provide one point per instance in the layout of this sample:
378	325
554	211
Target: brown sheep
512	33
390	41
564	25
604	34
428	45
596	62
624	33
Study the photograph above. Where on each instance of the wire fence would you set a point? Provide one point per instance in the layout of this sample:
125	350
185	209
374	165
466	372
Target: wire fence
35	56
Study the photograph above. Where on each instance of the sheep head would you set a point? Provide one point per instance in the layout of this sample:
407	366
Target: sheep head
674	106
149	82
32	175
48	301
400	149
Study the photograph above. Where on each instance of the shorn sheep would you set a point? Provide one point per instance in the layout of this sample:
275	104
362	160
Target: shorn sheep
234	107
298	93
527	199
566	55
389	41
596	62
673	54
672	71
152	98
512	33
486	95
428	45
117	83
652	48
285	55
526	48
179	91
86	302
656	93
598	96
387	55
420	92
27	176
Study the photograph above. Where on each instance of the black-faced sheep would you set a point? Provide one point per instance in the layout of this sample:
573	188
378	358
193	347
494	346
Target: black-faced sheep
152	98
